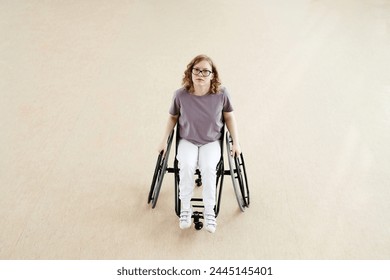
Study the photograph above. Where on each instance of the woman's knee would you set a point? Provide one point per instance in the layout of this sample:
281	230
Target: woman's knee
208	168
187	165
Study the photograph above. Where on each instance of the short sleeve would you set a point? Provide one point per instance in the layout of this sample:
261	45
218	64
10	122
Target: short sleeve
227	104
175	106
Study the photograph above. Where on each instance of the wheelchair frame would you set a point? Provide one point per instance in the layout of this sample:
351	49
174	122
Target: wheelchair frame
237	172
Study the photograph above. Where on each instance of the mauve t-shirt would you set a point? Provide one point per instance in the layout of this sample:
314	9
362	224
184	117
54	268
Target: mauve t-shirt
200	117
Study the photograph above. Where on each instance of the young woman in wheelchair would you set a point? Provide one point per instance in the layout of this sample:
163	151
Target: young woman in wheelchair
200	109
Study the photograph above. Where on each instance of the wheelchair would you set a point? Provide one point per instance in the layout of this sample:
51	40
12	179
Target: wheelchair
236	171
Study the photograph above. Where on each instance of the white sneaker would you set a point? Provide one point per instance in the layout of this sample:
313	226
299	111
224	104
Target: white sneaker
185	218
211	222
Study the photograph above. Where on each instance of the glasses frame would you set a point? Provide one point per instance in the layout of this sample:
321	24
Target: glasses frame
197	71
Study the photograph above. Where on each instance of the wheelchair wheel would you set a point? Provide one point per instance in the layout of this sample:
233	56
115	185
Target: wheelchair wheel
159	172
177	182
238	174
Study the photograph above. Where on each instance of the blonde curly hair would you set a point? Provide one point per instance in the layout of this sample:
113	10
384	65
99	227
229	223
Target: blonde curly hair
187	79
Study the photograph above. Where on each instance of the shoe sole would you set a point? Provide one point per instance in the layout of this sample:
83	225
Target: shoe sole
186	227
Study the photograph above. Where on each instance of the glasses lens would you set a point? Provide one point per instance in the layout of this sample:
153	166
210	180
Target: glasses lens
195	71
206	73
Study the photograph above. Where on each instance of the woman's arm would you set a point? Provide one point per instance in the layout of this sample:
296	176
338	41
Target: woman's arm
172	120
231	124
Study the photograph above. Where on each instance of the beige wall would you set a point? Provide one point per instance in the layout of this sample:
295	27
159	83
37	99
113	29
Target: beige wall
85	88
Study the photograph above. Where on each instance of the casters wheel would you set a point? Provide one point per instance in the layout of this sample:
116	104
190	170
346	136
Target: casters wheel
198	182
198	225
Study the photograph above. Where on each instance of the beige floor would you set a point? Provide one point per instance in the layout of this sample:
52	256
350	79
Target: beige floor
85	90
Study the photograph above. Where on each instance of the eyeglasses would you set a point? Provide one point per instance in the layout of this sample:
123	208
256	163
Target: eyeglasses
205	73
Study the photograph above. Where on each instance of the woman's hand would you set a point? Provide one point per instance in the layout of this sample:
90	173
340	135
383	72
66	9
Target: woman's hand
230	121
162	148
236	150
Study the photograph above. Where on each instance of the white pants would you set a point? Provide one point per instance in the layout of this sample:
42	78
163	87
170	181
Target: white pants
206	157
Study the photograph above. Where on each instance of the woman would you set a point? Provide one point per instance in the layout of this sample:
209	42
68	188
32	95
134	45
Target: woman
203	106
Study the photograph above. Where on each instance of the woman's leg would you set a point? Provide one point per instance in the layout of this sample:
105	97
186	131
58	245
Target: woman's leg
209	156
187	156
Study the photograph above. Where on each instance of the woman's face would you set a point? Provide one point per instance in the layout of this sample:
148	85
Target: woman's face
204	77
